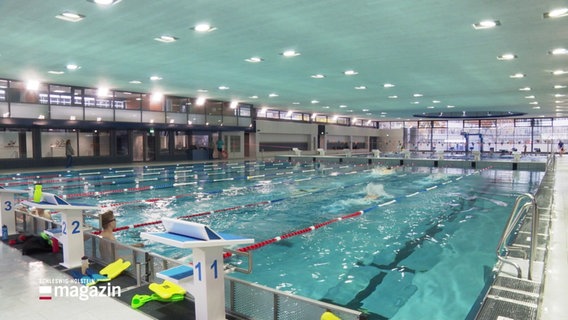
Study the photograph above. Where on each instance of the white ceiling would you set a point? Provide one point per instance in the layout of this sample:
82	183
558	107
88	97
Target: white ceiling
428	47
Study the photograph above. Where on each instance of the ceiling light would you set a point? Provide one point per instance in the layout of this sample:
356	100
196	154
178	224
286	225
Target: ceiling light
383	112
343	106
253	97
325	107
135	82
393	97
102	92
536	107
388	85
155	78
533	102
234	104
430	107
507	56
204	27
273	95
559	72
41	117
350	72
55	72
202	90
104	2
436	101
72	118
263	110
559	86
200	101
415	102
72	67
224	88
295	103
32	85
529	97
166	39
360	88
525	89
314	102
365	110
450	107
556	13
99	119
558	95
559	51
254	59
290	53
417	95
156	97
517	76
70	16
317	76
486	24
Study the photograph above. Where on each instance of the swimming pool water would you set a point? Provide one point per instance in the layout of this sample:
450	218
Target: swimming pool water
427	253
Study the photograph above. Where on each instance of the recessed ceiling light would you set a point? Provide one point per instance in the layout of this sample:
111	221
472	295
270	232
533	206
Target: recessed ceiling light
202	90
525	89
273	95
393	97
486	24
325	107
314	101
224	88
415	102
253	97
166	39
559	95
365	110
73	67
32	85
72	118
135	82
529	97
388	85
559	51
254	59
536	107
350	72
436	101
70	16
517	76
533	102
556	13
155	78
55	72
450	106
204	27
200	101
234	104
105	2
102	92
383	112
417	95
430	107
559	86
41	117
295	103
317	76
290	53
360	88
559	72
507	56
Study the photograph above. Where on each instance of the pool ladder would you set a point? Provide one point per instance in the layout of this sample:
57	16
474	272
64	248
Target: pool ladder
524	204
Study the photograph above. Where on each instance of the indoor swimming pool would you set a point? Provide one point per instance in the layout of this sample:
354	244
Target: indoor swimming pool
386	241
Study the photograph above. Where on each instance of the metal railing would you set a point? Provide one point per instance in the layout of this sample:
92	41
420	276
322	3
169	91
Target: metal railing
524	204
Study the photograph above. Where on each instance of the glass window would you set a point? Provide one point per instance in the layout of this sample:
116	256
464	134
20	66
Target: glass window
245	110
179	105
523	122
60	95
94	143
440	124
200	141
21	92
53	142
397	125
181	142
471	124
152	102
343	121
286	115
411	124
127	100
234	143
3	89
122	143
561	122
384	125
272	114
424	124
164	138
15	144
543	122
321	119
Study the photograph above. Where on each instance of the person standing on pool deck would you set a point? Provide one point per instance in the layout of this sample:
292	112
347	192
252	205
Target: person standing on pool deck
560	147
69	152
220	144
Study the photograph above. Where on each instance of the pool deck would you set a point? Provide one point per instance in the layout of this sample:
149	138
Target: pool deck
22	276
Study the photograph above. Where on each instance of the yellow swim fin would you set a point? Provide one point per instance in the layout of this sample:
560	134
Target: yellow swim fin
166	289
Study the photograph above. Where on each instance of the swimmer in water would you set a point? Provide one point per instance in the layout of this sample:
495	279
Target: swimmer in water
374	191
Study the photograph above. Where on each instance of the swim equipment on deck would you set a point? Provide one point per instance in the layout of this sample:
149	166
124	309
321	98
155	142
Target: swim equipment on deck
106	274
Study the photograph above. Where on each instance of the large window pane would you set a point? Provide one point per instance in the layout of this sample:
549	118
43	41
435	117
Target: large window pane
15	143
53	143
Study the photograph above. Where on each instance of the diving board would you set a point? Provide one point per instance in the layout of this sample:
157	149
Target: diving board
8	203
71	234
205	279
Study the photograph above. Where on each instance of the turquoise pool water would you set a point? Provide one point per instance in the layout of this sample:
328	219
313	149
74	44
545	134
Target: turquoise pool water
412	241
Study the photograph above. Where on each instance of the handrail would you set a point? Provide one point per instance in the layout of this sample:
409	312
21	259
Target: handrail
514	218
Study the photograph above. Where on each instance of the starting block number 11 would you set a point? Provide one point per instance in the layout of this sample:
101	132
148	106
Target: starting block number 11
213	267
